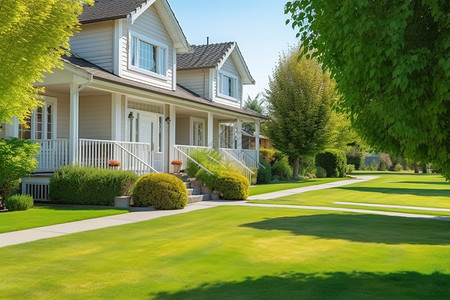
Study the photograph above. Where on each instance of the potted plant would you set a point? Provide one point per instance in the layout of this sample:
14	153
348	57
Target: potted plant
114	164
176	163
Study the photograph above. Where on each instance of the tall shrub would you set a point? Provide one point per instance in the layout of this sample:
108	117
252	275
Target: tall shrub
333	161
89	186
17	160
265	172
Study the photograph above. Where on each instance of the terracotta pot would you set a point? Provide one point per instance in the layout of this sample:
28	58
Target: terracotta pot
176	168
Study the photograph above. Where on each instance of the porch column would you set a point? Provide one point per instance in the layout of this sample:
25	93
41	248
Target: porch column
116	117
239	135
210	130
172	133
12	130
257	129
74	118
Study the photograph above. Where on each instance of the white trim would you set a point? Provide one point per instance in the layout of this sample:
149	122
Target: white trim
160	62
74	122
235	81
191	130
116	117
174	69
172	132
239	135
132	16
225	57
212	76
210	130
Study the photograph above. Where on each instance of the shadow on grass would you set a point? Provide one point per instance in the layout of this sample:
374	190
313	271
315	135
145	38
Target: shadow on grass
400	191
402	285
375	173
362	228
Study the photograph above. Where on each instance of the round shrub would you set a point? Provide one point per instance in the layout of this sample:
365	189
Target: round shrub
19	202
398	168
321	172
333	161
162	191
282	169
232	186
350	168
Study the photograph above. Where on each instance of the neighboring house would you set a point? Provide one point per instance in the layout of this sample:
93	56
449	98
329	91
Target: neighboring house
136	91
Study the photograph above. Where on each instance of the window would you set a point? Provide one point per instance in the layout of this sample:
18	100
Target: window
147	56
226	136
228	86
41	125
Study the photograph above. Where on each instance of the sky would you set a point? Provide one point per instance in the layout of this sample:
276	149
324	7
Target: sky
258	27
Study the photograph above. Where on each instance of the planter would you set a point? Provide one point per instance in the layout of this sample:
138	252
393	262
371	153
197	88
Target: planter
176	168
122	201
206	190
215	196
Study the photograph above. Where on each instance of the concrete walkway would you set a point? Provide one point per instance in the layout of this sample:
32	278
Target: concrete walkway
29	235
305	189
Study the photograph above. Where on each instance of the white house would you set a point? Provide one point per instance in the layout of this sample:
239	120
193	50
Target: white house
136	91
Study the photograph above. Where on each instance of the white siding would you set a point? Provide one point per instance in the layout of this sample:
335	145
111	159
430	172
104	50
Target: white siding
230	68
95	117
182	131
195	80
95	43
63	118
150	25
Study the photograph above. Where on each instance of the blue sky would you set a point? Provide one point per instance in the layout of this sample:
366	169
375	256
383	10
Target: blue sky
258	26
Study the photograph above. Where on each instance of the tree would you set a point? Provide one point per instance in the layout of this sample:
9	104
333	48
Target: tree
299	98
33	36
391	64
256	104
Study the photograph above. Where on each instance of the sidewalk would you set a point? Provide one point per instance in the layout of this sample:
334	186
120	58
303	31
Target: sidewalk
29	235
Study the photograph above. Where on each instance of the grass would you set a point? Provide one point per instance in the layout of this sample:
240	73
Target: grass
40	216
286	185
406	189
238	253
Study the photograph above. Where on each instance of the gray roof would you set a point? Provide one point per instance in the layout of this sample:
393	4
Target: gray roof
180	93
203	56
108	10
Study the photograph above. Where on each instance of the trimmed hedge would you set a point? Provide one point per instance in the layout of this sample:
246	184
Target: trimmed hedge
19	202
264	174
333	161
162	191
89	186
232	186
282	169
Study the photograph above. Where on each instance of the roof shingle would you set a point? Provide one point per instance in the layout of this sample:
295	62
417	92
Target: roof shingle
108	10
203	56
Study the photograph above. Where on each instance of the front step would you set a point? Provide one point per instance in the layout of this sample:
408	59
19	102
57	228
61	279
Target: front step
198	198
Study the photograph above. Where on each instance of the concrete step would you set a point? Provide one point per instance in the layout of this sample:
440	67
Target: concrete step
187	184
198	198
194	191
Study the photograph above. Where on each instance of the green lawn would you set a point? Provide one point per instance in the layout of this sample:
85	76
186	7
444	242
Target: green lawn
406	189
40	216
286	185
238	253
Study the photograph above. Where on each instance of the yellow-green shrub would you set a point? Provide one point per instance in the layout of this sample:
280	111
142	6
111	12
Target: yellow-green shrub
162	191
232	186
19	202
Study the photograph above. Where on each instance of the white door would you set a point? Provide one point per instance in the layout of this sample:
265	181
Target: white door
149	131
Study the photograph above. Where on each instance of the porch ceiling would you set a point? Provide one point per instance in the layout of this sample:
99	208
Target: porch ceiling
64	89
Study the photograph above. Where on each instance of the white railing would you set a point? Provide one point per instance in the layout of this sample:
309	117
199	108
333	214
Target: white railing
183	153
249	158
227	156
136	157
53	154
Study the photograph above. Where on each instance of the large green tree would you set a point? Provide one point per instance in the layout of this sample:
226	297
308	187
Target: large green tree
33	36
391	63
299	98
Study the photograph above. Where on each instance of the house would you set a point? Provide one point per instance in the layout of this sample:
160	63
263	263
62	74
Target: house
136	91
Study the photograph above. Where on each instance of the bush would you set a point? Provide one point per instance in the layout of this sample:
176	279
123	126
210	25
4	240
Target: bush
162	191
254	176
321	172
306	165
264	174
19	202
333	161
350	168
282	169
17	160
355	156
232	186
89	186
398	168
267	154
385	162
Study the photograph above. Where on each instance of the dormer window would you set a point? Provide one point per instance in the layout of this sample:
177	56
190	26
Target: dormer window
228	86
147	56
